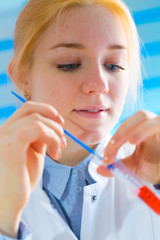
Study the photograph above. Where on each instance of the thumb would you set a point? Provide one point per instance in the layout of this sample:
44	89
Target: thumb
126	148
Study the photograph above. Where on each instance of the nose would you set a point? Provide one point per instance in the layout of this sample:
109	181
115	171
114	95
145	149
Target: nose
96	82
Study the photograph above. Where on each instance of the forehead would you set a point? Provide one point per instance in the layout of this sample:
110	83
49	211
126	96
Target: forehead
93	24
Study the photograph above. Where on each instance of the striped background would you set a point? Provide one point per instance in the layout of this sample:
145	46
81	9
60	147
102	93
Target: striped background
147	17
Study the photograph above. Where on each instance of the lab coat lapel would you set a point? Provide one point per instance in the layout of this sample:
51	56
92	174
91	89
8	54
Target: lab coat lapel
40	215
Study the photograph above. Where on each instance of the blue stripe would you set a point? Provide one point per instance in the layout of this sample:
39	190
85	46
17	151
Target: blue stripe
6	45
7	111
151	83
4	79
151	49
147	16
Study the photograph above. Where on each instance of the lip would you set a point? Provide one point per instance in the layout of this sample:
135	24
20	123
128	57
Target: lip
100	111
92	107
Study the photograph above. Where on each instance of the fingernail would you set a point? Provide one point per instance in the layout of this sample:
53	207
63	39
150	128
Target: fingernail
64	142
105	159
58	154
112	141
61	119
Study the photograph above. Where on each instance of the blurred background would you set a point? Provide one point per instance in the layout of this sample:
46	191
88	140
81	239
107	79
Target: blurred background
147	18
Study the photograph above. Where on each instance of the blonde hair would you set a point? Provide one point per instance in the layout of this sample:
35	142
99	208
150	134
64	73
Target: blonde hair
37	15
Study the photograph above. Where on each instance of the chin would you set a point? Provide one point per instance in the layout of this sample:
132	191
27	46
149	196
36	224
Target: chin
89	133
91	137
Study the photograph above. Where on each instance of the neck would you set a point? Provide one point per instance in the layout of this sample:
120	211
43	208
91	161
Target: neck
74	154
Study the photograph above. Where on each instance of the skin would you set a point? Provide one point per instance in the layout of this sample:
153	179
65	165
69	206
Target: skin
56	94
142	130
93	83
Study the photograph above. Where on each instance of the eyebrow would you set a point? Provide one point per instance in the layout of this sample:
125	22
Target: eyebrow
117	46
68	45
81	46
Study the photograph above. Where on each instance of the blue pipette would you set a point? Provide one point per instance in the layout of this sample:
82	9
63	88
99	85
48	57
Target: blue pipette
120	171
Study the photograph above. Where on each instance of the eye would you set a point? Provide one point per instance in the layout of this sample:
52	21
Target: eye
113	67
68	67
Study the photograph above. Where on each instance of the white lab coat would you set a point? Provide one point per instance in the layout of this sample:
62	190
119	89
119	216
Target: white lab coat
110	212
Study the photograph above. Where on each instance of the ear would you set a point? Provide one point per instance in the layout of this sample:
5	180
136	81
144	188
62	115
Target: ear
23	85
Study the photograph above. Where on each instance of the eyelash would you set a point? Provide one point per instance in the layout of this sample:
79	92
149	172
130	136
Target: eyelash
68	67
63	67
112	67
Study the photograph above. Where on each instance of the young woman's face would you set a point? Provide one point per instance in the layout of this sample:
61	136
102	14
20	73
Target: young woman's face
80	67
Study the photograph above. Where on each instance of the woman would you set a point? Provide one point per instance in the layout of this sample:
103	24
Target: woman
75	61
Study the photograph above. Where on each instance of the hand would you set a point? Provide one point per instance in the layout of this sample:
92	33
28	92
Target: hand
143	130
23	143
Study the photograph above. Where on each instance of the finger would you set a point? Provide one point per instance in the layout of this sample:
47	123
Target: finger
57	128
147	129
124	132
132	123
36	133
34	107
103	171
31	119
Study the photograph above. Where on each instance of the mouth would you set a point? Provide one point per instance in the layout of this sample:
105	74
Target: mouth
92	111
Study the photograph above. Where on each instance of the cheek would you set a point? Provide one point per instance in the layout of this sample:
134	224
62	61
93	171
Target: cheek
56	96
60	97
119	92
121	88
